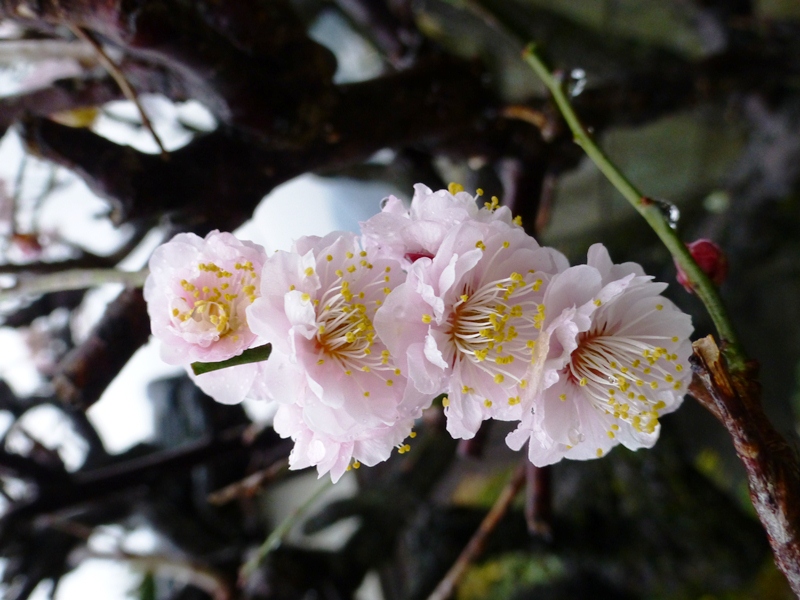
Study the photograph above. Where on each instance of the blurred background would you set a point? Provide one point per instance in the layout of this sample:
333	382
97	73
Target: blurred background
287	118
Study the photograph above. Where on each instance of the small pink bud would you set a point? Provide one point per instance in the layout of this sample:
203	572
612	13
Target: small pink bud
28	244
711	260
415	256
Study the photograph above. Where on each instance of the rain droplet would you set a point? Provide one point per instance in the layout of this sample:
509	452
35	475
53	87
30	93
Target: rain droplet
613	380
577	82
575	436
669	210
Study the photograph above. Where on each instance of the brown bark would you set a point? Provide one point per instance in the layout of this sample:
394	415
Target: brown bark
772	467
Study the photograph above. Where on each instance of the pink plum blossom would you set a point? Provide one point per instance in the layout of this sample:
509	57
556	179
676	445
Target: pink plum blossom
343	400
611	359
408	234
197	293
466	321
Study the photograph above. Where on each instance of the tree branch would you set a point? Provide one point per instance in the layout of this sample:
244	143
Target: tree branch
772	467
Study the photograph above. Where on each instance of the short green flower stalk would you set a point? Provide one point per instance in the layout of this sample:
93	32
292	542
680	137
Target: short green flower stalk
652	213
251	355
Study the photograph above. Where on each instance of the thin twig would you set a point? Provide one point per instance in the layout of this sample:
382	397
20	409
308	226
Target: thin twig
280	532
475	546
75	279
14	51
650	210
200	576
539	500
248	486
113	70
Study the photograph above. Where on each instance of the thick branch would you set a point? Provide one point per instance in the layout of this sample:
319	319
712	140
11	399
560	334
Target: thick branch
278	92
85	372
91	485
222	176
771	465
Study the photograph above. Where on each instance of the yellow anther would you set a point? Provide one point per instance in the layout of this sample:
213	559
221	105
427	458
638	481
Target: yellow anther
518	220
487	403
175	312
659	307
679	368
356	465
583	382
610	434
412	435
479	192
675	338
305	297
480	244
499	378
598	302
445	401
464	298
389	382
349	254
366	394
426	318
562	397
599	452
454	188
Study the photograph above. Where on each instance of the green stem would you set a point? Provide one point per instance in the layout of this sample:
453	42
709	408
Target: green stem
75	279
652	213
250	355
280	532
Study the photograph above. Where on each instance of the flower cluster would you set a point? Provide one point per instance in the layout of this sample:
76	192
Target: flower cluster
440	298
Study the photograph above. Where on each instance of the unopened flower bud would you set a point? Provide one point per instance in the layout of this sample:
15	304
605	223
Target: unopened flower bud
710	259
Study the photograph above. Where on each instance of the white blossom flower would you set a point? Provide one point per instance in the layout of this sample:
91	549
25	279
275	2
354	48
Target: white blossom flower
406	235
196	293
343	400
466	321
611	359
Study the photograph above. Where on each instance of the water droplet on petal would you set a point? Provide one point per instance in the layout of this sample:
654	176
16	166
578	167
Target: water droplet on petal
384	202
575	436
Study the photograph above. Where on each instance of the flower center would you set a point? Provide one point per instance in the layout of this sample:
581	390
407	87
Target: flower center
214	301
345	332
622	375
496	325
